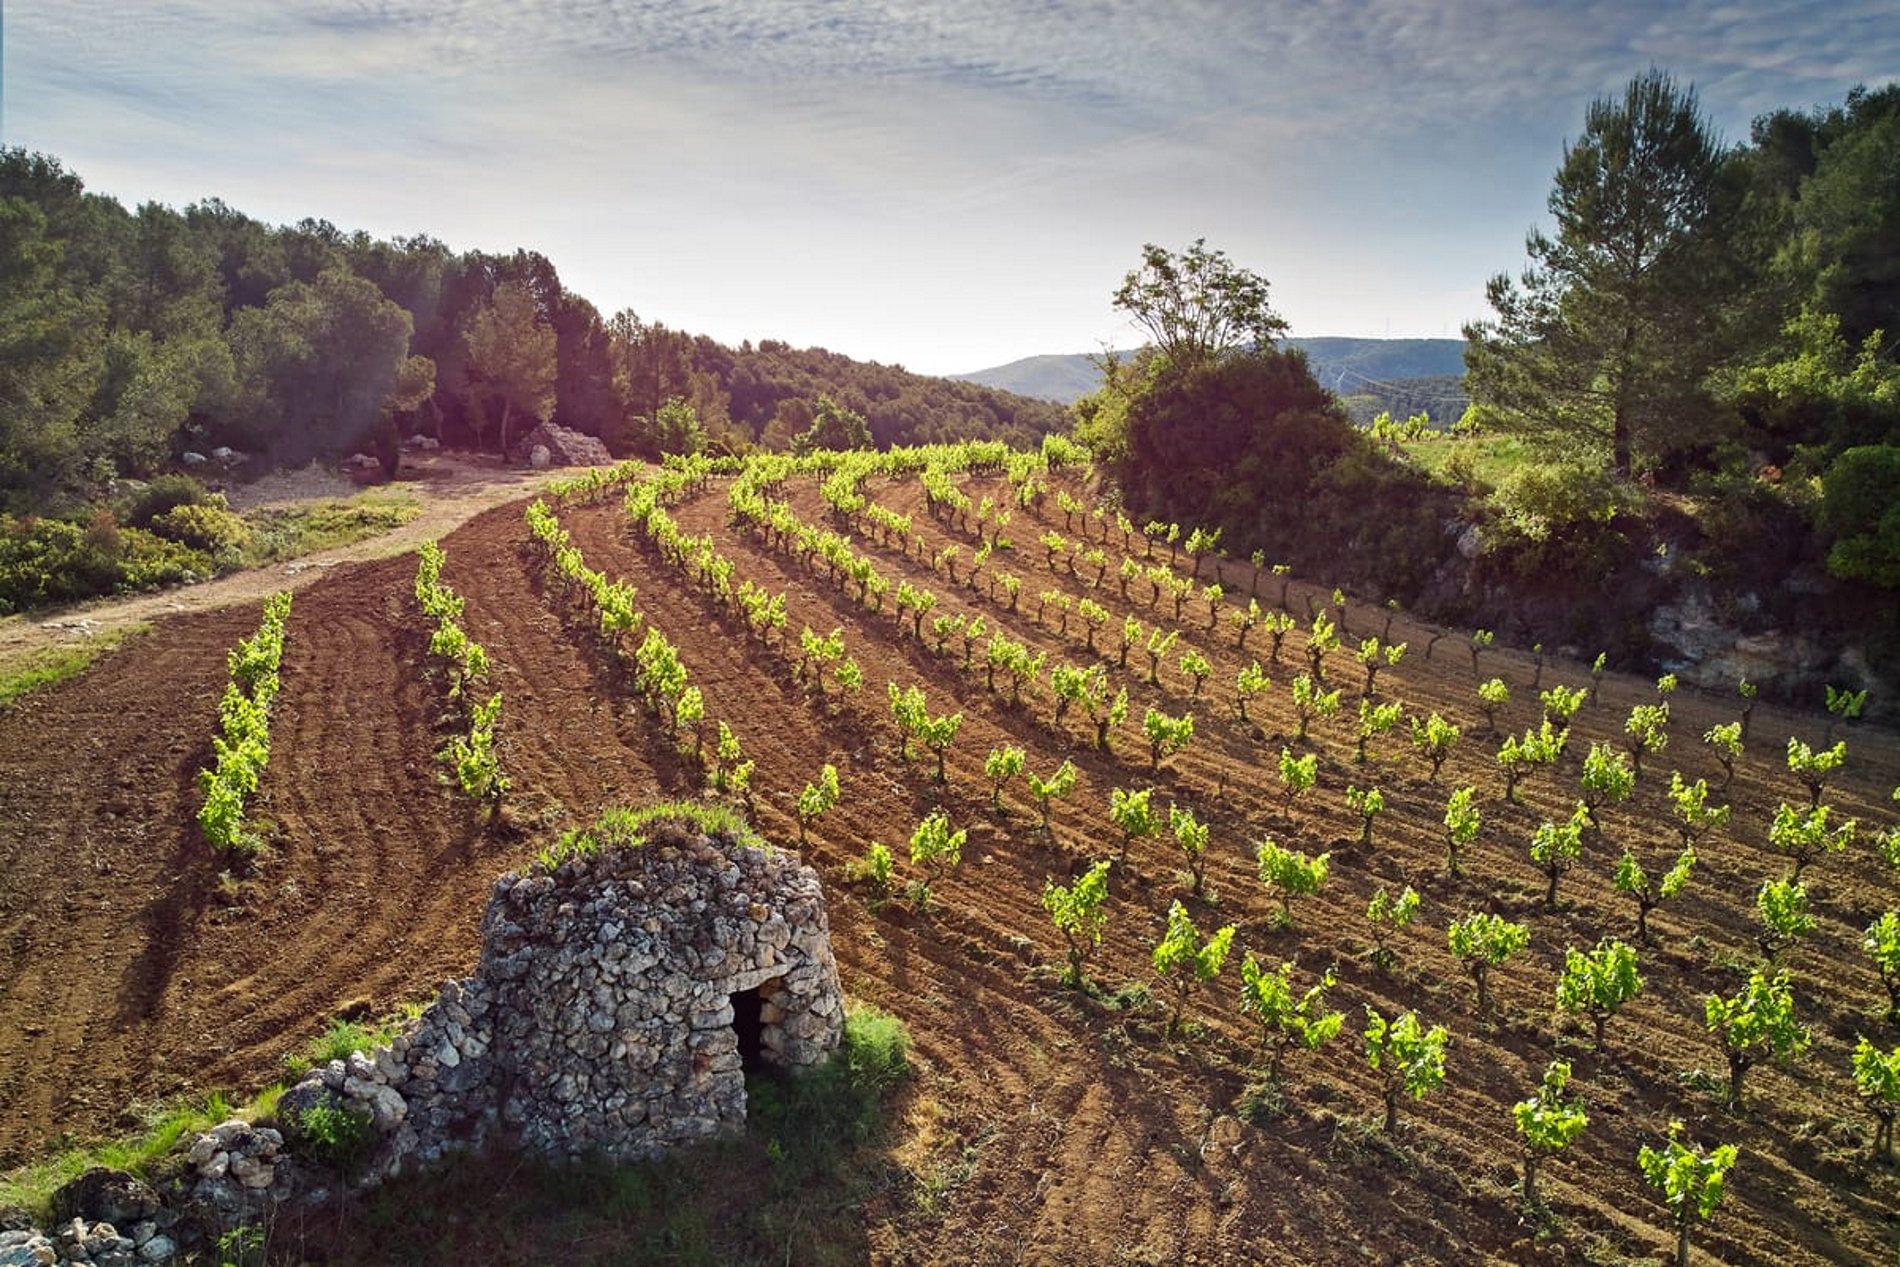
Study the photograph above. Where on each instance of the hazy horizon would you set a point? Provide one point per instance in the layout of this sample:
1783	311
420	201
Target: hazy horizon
949	187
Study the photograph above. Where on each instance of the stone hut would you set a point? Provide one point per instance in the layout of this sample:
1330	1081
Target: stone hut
565	447
622	997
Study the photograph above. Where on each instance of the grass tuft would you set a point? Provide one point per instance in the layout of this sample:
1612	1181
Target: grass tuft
51	665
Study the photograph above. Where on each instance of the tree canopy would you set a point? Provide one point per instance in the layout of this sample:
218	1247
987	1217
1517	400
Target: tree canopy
1197	305
1603	345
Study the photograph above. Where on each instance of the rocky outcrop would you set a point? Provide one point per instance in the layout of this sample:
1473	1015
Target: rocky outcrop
564	446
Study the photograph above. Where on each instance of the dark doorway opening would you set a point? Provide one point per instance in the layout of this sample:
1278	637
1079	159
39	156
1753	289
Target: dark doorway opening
750	1027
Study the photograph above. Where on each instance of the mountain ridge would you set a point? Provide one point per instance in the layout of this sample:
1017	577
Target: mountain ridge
1342	364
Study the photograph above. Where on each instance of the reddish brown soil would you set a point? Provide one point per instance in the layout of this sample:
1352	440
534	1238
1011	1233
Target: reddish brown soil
1043	1127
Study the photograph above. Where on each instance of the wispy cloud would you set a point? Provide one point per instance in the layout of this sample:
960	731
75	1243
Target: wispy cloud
1364	152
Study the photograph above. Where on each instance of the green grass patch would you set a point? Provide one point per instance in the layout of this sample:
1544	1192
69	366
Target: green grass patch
285	532
31	1187
1466	462
623	828
45	667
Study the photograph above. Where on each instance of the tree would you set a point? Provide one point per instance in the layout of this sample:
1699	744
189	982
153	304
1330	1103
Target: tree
319	368
1483	941
1186	959
833	427
1757	1022
1079	912
511	352
1548	1122
1598	982
1603	344
1198	305
1411	1058
1690	1179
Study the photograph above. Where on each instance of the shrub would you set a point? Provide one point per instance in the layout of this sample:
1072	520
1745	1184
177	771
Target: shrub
1548	1122
207	528
332	1136
1690	1180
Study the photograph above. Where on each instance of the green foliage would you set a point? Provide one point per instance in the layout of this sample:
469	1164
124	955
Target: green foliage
1132	813
1080	913
1053	788
1166	735
1311	703
1598	982
1548	1122
936	847
1877	1078
1197	305
1002	765
1375	720
1518	756
1812	767
1689	803
875	868
1648	731
1185	959
1651	891
1411	1058
1860	506
1291	872
1368	804
1482	941
1755	1024
1389	915
1882	942
1493	695
817	799
1462	823
621	828
1690	1179
1190	835
1783	907
1249	683
1555	848
1286	1023
1726	742
1804	835
1434	737
242	748
1298	774
1607	778
332	1135
1602	349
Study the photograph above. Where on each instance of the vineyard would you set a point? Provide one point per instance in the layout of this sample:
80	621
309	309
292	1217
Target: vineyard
1231	917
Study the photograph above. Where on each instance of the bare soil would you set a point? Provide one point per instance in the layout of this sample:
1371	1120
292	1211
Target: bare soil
1045	1126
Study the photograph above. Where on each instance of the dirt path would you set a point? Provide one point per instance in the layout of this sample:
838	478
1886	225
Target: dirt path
453	488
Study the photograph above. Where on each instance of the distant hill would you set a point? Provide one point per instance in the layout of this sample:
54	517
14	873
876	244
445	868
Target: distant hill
1350	367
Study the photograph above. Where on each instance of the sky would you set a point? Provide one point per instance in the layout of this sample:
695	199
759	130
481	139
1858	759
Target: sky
944	185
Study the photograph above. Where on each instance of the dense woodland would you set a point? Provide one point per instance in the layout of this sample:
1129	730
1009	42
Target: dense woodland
130	336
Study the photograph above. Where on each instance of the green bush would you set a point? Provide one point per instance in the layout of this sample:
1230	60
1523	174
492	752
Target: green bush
1860	505
163	495
46	561
206	526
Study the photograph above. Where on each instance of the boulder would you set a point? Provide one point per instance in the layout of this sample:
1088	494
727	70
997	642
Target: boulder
106	1196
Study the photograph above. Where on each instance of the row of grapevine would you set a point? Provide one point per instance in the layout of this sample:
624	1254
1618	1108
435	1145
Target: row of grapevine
473	755
241	749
